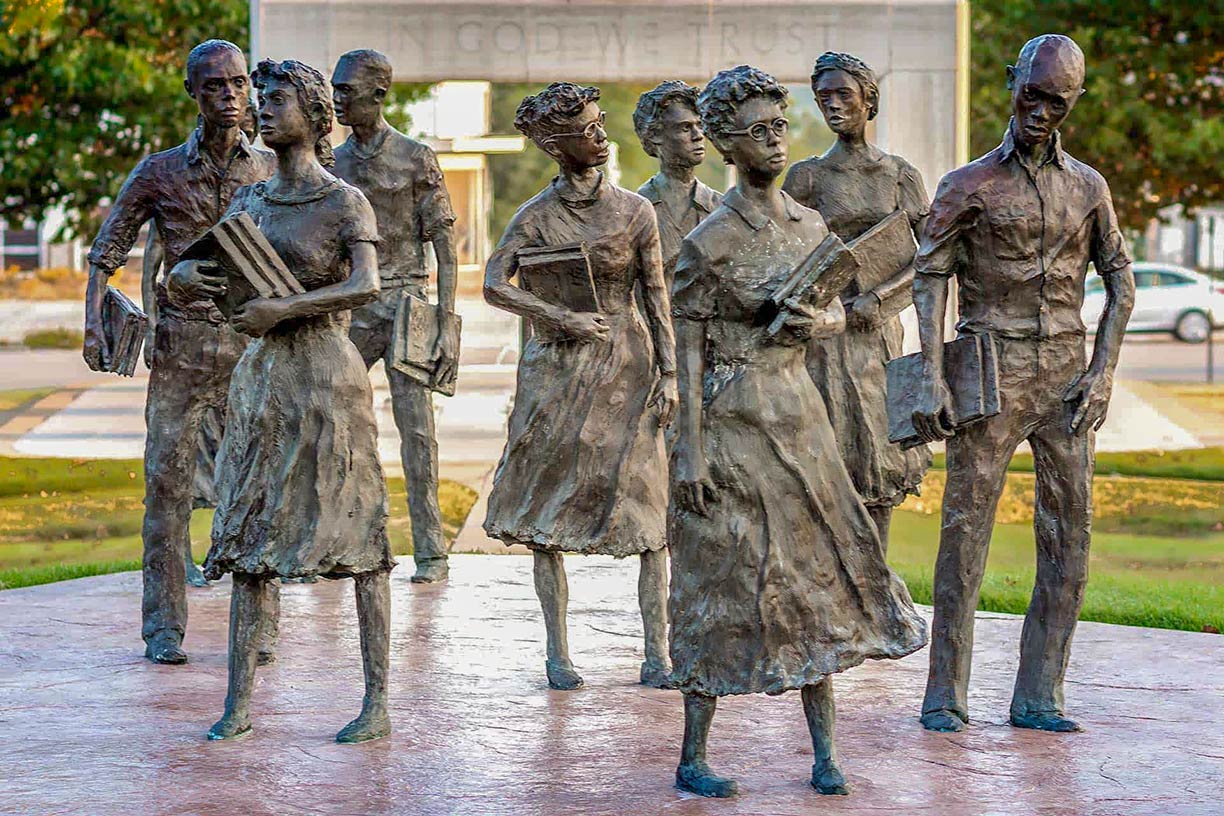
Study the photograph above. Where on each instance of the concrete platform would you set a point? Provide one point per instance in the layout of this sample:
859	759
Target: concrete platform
89	727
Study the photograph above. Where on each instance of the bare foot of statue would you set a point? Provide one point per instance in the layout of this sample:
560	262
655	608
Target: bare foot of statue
1045	721
696	777
431	572
943	720
195	575
656	675
166	651
231	726
371	724
827	779
562	675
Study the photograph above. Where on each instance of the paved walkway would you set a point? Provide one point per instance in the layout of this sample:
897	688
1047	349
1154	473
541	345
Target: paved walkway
92	728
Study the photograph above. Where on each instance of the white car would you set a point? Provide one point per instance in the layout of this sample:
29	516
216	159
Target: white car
1167	299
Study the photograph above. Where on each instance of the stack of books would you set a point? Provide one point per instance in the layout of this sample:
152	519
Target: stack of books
972	371
125	325
252	267
413	339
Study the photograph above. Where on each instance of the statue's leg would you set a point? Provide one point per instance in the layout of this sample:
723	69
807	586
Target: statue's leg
412	407
881	514
269	632
977	470
821	718
553	592
693	774
652	600
173	412
1062	521
247	604
374	618
203	488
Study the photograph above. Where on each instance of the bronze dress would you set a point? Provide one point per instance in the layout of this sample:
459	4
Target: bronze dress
784	582
849	368
299	483
584	468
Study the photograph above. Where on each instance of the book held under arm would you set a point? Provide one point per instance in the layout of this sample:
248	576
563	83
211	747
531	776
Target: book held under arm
414	337
252	267
560	275
884	251
972	373
125	325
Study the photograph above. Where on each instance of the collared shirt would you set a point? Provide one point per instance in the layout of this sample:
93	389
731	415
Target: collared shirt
185	193
403	182
1019	240
672	226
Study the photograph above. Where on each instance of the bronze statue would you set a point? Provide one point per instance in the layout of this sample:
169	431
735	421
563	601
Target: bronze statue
854	186
403	183
778	576
184	191
584	468
300	488
1018	228
668	126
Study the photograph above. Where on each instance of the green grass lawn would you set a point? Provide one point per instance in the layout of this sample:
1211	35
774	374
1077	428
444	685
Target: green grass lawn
1199	463
17	397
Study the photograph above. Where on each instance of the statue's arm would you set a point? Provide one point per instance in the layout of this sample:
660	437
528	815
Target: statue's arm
502	266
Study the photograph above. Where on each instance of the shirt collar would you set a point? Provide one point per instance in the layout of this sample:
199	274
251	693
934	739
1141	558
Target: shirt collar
193	145
752	214
1008	149
703	197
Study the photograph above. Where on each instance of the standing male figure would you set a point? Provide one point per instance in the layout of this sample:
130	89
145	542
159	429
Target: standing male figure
185	190
403	183
1018	228
668	126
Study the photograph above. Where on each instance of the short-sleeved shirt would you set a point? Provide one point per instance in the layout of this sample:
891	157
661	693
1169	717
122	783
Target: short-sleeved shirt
674	226
185	193
1019	240
404	184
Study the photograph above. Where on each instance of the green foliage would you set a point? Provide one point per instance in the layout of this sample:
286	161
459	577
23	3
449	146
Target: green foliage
53	339
1203	464
1150	121
88	88
18	397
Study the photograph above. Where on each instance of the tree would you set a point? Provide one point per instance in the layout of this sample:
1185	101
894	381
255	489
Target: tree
1150	120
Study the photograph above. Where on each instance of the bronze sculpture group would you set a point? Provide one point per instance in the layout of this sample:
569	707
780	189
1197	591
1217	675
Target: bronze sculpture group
666	403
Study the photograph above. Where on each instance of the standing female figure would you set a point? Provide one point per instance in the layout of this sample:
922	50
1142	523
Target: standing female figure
778	576
300	488
855	185
584	468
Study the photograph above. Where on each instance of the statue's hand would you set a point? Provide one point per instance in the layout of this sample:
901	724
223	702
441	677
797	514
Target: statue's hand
694	490
1090	393
935	418
445	353
584	326
864	312
665	398
190	281
257	317
95	350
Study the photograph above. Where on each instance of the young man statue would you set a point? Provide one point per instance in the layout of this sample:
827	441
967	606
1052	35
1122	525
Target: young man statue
668	126
185	191
1018	228
403	183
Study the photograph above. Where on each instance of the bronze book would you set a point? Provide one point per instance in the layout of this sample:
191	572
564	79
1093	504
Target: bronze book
818	278
971	369
252	267
560	275
883	251
125	325
413	338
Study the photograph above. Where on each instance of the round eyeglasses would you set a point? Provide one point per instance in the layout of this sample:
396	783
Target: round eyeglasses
760	131
587	132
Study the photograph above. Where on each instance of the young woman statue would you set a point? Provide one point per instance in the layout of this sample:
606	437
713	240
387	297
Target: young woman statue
584	468
854	186
778	576
300	488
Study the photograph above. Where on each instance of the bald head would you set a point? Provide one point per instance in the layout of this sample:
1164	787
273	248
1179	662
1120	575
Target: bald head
1045	83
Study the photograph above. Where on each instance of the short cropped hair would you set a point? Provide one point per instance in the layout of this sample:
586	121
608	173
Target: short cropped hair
374	66
650	107
314	95
1058	47
731	88
861	72
552	110
203	50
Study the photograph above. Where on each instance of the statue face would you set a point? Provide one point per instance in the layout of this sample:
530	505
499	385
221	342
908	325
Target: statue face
220	86
678	139
842	103
1042	99
767	156
358	101
585	142
282	121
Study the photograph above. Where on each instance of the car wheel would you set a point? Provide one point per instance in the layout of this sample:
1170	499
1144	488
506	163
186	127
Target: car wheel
1192	327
